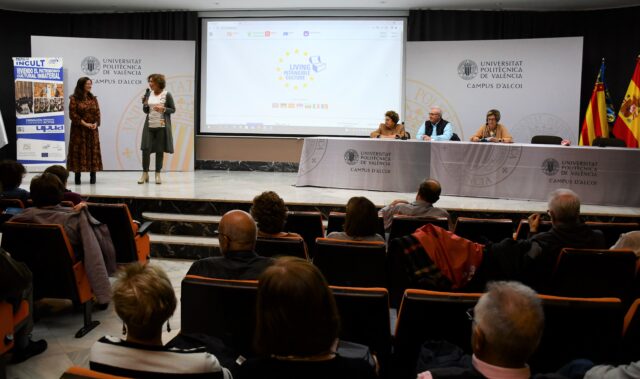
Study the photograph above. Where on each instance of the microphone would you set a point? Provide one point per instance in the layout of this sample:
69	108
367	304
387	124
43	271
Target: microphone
147	93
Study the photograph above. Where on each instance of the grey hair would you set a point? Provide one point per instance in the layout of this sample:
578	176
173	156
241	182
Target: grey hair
436	107
565	205
511	317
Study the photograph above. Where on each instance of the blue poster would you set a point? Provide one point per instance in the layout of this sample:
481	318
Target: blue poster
39	110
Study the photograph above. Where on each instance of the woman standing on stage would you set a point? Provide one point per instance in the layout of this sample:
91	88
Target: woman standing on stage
156	135
84	142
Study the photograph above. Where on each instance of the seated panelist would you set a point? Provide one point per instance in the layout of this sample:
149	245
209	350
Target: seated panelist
390	128
435	128
492	131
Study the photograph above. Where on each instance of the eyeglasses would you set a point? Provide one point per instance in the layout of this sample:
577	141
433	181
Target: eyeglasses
219	234
434	114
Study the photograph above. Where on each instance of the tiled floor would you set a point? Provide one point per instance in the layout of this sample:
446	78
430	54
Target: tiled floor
65	350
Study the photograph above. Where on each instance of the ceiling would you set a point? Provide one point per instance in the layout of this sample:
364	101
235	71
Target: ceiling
90	6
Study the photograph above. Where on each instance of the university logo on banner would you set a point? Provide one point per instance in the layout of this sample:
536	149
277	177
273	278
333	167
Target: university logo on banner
39	104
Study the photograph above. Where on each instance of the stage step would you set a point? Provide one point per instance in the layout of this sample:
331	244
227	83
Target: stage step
175	224
183	247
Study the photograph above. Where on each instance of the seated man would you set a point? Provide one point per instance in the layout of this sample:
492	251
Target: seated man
237	235
428	194
507	326
90	239
390	128
436	128
492	131
63	174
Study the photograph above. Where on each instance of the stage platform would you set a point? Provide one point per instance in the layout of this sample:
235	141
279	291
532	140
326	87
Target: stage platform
187	206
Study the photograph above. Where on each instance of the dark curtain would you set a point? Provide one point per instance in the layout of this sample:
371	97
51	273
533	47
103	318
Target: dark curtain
18	27
610	34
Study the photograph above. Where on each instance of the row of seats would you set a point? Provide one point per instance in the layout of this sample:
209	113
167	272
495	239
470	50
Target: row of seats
575	327
57	273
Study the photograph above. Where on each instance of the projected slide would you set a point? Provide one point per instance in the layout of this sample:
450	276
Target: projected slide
303	77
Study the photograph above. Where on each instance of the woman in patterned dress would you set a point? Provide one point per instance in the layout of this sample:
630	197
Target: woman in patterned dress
84	142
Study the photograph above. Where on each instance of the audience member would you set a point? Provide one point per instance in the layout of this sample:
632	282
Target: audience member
63	174
428	194
91	239
144	299
237	236
270	213
507	325
11	174
297	327
390	128
361	222
629	371
15	286
630	240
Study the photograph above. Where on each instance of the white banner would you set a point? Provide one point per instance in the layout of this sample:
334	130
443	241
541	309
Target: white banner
39	104
119	70
535	83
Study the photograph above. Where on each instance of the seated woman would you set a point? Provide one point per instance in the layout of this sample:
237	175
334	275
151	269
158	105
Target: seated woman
361	222
390	128
91	239
492	131
63	174
144	299
297	327
270	213
11	174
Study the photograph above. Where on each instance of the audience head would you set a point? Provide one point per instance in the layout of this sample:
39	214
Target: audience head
429	191
296	312
143	298
508	324
83	88
46	190
11	174
237	232
157	80
391	118
435	114
60	171
362	217
269	211
564	207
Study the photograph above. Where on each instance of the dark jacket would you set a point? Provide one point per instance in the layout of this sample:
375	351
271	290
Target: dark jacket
236	265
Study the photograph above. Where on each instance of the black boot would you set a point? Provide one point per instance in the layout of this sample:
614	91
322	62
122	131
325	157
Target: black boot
77	177
92	177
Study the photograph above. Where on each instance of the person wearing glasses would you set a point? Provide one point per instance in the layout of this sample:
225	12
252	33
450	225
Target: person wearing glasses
435	128
492	131
237	235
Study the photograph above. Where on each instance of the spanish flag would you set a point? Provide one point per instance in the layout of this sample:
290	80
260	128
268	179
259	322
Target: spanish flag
595	120
627	126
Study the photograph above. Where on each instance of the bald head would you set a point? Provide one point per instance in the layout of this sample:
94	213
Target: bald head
238	232
509	324
564	207
429	190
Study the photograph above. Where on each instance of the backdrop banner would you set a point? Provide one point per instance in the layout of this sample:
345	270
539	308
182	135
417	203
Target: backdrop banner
39	103
534	83
119	71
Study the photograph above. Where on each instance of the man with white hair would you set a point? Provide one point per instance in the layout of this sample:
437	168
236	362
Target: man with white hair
436	128
507	325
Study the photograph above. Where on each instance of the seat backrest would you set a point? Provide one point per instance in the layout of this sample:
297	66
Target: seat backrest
76	372
477	229
631	333
225	309
10	203
351	263
522	232
46	250
364	318
604	142
118	219
397	276
430	315
403	225
278	246
308	225
336	223
6	327
594	273
612	230
546	140
578	328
